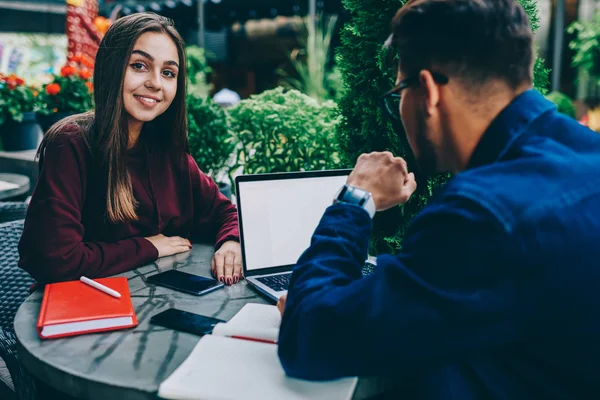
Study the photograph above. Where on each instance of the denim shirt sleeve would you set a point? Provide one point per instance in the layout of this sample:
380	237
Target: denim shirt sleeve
445	294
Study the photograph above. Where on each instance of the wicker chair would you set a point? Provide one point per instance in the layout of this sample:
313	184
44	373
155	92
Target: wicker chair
12	211
13	291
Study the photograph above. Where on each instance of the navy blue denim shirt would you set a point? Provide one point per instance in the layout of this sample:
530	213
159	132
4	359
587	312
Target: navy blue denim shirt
496	293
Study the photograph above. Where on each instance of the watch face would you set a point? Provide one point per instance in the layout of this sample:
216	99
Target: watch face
353	195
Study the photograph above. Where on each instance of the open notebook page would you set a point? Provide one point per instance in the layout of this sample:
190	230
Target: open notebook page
259	321
221	368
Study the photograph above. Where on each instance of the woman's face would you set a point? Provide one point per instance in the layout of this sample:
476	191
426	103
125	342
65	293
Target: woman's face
150	82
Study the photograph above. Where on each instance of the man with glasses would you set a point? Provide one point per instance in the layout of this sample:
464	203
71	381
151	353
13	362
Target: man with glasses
495	291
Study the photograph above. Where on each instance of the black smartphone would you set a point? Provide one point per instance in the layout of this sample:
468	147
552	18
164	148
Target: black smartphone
185	321
184	282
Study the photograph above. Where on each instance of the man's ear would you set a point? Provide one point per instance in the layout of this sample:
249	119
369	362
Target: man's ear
431	90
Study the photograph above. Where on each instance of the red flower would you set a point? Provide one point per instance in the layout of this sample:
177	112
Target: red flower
90	86
12	81
53	89
67	70
85	73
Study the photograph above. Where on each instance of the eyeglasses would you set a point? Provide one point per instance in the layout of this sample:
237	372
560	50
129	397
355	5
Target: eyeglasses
390	100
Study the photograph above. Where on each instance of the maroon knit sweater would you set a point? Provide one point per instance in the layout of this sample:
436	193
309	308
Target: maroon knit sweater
66	234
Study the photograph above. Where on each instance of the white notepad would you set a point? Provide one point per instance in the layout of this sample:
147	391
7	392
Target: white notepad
226	368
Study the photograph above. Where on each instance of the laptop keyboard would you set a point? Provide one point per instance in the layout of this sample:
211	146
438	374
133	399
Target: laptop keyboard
282	281
368	268
276	282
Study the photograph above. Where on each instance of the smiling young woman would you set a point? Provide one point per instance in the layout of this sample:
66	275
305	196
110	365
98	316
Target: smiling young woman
117	187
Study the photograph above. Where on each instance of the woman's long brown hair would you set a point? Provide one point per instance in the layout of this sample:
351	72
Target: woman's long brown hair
105	129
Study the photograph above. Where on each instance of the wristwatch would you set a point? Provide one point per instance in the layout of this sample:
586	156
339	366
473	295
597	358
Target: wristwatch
353	195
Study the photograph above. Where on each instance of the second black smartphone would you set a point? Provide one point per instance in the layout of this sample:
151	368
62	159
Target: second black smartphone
185	321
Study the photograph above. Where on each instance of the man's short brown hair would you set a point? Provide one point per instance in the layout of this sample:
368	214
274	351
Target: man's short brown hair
475	40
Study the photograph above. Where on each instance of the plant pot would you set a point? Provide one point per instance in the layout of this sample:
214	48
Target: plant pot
225	189
24	135
46	121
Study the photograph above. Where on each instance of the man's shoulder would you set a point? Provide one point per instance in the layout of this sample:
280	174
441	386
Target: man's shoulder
543	172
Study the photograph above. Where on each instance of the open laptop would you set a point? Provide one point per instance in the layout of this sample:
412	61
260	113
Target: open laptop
278	213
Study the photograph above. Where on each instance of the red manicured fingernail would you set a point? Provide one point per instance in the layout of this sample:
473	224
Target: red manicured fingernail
229	281
236	279
222	278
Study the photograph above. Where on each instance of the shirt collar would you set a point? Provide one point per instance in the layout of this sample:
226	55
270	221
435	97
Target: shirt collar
511	123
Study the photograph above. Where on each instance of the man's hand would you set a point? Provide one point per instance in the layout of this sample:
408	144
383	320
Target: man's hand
226	264
385	176
167	246
281	303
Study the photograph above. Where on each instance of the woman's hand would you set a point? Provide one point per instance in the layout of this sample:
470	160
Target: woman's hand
226	264
167	246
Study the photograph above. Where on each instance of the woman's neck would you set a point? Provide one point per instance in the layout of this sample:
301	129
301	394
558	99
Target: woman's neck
135	129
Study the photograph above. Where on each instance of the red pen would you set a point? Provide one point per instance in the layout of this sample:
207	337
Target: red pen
254	339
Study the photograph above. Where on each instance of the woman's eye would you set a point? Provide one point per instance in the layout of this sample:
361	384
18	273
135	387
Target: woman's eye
138	66
169	74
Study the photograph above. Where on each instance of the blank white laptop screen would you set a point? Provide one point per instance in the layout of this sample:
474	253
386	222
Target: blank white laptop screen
280	216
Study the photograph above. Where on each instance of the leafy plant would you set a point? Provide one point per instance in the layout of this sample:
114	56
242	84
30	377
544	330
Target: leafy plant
69	92
362	63
198	70
15	98
586	45
311	62
563	102
209	135
281	131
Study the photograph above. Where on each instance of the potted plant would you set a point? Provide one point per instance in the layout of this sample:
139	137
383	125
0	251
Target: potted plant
19	128
285	131
313	73
69	93
210	139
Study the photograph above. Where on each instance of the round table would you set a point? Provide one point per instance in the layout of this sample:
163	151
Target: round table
21	181
130	363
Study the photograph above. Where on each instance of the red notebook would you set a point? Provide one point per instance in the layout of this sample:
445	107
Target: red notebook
74	308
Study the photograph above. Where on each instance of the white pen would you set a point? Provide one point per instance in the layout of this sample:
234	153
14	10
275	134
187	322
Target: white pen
100	287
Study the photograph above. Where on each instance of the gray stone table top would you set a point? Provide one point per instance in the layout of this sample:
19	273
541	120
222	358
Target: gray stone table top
128	364
21	180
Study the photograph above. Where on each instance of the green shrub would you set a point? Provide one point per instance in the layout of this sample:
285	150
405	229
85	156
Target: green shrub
563	102
198	70
362	62
209	135
586	46
283	131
